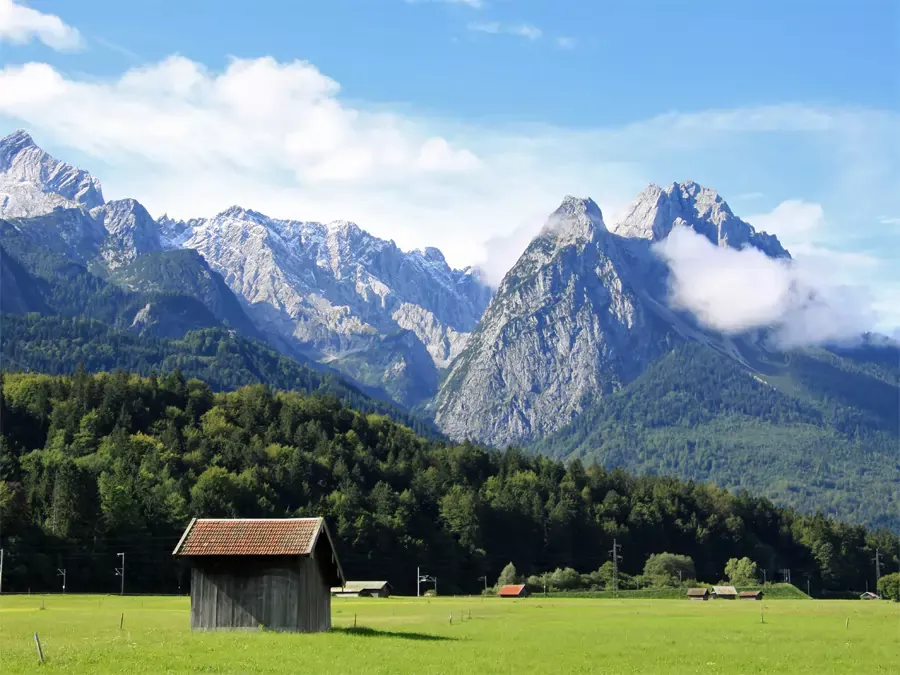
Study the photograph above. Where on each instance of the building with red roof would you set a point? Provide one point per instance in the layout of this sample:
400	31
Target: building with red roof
513	591
248	573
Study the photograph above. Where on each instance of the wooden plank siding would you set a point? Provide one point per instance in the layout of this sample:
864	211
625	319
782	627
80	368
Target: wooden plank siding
249	592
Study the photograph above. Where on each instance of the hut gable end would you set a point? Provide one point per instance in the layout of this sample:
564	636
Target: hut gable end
267	572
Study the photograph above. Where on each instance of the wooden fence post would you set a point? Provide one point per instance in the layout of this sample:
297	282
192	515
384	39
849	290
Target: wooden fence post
37	642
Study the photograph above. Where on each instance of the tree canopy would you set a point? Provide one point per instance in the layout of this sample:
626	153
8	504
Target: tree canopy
94	465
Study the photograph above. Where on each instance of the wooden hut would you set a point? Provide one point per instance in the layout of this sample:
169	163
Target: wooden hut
698	593
750	595
363	589
513	591
724	593
251	573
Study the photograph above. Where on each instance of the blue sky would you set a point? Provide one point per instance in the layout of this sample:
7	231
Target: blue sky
461	124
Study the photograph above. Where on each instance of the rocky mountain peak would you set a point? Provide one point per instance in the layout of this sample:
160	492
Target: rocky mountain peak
131	231
38	183
240	213
432	254
577	219
17	140
655	211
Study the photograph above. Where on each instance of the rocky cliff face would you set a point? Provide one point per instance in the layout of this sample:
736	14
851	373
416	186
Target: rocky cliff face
581	313
333	291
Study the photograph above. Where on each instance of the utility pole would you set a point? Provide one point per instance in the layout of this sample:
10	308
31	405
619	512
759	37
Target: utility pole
615	561
120	572
485	581
877	560
807	586
764	576
62	573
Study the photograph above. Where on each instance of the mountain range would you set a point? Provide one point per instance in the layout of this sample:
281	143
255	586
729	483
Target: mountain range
579	352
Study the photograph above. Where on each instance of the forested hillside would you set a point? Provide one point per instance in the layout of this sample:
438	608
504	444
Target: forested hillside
222	359
94	465
831	443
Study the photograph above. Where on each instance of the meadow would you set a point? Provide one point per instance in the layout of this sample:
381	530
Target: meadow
81	634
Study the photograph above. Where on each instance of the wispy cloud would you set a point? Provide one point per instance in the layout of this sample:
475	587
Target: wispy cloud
564	42
119	49
474	4
20	24
792	220
522	30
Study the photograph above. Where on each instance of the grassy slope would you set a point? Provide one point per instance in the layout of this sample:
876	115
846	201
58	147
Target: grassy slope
80	634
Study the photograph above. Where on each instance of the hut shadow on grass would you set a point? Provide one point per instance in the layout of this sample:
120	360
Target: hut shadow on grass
363	631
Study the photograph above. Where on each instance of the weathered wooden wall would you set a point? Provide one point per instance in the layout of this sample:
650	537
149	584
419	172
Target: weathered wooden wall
244	593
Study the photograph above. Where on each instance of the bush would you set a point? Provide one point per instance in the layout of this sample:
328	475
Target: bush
565	579
508	576
741	572
668	569
889	587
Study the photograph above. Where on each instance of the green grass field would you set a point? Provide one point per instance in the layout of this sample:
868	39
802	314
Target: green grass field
80	634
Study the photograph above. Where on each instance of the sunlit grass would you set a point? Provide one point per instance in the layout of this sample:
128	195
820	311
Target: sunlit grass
80	634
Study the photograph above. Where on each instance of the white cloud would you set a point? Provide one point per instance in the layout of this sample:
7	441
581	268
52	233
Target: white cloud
564	42
256	116
20	24
791	220
522	30
526	31
735	291
280	138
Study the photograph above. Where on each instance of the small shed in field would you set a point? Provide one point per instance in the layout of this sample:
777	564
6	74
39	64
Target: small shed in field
698	593
271	572
363	589
724	593
869	595
750	595
513	591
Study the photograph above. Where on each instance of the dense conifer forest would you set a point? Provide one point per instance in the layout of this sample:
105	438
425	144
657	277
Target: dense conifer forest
95	465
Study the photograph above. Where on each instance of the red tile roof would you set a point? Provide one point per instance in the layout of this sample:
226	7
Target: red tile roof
512	590
249	536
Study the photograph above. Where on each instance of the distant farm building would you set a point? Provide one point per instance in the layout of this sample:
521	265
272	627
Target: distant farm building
725	592
698	593
868	595
513	591
363	589
252	573
751	595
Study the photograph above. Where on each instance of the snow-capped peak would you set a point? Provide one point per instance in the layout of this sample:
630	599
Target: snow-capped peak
35	183
17	140
240	213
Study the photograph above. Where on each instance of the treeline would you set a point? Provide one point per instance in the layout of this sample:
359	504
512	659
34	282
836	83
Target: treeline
97	465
